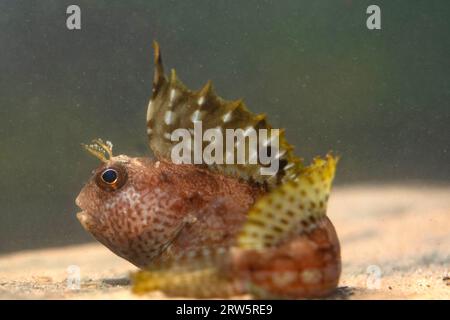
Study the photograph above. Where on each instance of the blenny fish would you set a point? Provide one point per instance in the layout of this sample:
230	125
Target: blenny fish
213	230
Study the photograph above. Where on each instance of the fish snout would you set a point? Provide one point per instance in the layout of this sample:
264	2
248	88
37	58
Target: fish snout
82	215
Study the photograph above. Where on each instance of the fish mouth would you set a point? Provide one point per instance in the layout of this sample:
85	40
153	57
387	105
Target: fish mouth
82	215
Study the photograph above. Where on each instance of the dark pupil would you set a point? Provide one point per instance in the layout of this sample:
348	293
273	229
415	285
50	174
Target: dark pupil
109	176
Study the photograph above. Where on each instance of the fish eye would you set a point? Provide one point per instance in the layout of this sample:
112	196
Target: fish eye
111	178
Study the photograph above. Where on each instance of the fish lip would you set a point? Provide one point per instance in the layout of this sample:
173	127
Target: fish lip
78	202
83	217
83	211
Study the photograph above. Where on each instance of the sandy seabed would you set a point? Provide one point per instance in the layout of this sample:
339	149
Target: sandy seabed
395	244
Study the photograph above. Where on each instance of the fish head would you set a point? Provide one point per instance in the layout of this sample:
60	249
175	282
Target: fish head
125	206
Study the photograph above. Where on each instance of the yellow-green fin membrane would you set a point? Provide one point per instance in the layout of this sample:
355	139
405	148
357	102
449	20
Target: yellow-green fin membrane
193	274
291	208
202	283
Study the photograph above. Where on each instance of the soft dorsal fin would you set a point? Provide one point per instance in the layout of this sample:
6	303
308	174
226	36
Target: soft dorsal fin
173	106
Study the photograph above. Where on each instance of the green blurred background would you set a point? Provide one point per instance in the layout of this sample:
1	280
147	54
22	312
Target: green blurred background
378	98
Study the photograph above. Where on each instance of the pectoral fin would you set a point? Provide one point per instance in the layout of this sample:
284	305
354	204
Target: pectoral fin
293	207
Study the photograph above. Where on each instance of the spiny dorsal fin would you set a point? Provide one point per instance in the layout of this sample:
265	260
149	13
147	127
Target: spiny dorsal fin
291	208
174	106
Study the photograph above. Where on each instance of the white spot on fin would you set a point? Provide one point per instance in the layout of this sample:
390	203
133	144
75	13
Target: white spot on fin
227	116
196	116
173	94
167	136
169	117
150	110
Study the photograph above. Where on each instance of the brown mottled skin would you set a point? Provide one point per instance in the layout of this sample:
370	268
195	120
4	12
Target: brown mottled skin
164	208
306	265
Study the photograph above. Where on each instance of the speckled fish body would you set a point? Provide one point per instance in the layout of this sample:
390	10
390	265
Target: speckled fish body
287	248
226	225
164	207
